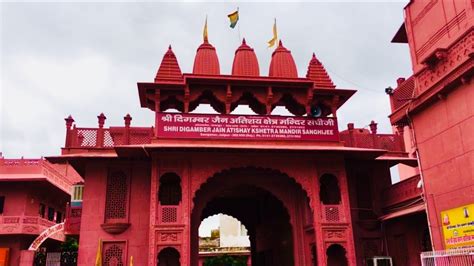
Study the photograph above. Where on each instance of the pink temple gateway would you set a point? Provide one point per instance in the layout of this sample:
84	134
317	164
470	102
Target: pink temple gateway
147	190
308	193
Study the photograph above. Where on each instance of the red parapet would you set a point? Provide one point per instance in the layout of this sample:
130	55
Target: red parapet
86	138
388	142
402	191
28	225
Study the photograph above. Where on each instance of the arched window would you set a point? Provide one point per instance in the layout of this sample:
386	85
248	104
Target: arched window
168	257
170	189
336	255
329	192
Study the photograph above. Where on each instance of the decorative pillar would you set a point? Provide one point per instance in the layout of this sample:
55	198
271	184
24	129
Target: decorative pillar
373	127
350	128
228	99
269	100
100	132
69	120
309	101
334	104
127	120
27	257
157	110
187	94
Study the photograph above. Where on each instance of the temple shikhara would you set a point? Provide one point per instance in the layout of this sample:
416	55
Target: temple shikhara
308	190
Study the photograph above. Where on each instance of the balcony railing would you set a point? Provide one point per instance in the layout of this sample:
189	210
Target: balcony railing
101	137
41	167
402	191
30	225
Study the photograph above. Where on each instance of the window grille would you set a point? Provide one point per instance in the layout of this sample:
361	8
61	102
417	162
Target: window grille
169	214
114	254
116	196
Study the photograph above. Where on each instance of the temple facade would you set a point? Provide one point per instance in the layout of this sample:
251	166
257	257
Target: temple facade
307	193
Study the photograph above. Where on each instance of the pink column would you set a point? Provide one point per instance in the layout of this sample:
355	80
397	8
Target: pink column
27	257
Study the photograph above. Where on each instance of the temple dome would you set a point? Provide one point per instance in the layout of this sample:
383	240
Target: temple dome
245	61
282	64
317	73
206	61
169	69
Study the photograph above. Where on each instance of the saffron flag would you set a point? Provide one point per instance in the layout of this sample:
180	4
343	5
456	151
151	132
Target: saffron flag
98	256
273	41
204	32
234	17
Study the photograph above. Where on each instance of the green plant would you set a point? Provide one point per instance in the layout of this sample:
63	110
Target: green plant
70	244
226	260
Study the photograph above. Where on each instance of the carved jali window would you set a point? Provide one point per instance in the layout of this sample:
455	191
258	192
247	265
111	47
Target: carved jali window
116	203
114	254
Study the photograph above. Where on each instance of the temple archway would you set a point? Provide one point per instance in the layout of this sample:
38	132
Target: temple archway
266	201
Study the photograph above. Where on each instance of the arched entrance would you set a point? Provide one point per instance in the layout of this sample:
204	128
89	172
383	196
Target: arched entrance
273	207
168	257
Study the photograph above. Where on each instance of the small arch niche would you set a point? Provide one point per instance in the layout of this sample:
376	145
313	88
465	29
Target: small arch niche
336	255
169	192
329	191
169	257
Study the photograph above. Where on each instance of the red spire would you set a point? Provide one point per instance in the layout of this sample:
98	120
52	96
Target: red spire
206	61
169	69
282	64
318	74
245	61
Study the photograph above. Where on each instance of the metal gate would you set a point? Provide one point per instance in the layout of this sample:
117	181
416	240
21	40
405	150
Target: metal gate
451	257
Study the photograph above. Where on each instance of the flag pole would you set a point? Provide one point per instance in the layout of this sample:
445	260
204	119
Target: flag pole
238	27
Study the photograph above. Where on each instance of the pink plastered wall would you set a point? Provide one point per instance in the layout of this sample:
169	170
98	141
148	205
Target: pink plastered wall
445	138
136	236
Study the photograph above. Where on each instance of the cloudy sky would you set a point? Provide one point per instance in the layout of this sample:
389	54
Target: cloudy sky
85	58
82	59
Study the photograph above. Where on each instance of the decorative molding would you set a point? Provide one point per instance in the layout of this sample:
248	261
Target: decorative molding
115	228
460	52
169	237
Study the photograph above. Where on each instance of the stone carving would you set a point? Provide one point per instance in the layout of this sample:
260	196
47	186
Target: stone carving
172	237
455	56
334	235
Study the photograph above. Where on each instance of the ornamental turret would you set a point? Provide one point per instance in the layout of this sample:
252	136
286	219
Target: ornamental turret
245	61
317	73
169	70
282	64
206	61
